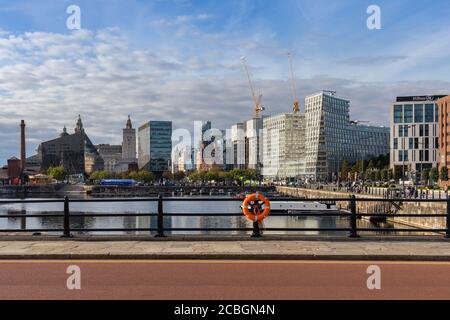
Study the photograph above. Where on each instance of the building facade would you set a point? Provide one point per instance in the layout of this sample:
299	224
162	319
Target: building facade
284	147
444	134
155	146
75	152
111	155
414	135
332	138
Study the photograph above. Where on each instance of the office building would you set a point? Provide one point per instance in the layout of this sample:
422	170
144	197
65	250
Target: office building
284	147
331	137
444	134
155	146
111	155
73	151
414	135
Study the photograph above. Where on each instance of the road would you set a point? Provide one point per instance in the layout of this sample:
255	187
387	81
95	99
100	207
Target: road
229	280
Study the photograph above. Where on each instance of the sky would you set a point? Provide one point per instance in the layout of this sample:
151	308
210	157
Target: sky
179	60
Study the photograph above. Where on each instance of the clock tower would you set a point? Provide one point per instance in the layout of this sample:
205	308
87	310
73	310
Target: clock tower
129	142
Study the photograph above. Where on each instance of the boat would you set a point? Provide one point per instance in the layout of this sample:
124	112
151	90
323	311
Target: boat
299	206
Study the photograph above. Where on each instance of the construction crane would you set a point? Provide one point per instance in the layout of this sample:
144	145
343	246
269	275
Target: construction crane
258	108
293	86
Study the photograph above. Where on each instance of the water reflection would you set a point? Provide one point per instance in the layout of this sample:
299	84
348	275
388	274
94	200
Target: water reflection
46	221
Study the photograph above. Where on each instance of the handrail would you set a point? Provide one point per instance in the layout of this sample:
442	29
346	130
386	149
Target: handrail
160	230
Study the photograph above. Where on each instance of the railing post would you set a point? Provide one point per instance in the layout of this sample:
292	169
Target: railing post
160	233
66	222
353	218
256	230
447	233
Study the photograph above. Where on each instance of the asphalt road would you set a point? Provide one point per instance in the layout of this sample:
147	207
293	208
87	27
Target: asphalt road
229	280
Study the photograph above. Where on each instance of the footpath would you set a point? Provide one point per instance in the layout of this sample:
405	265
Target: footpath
384	249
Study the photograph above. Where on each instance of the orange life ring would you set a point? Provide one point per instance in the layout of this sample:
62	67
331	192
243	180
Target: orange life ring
256	207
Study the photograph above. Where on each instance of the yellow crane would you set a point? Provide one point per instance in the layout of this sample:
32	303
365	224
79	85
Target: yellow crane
293	86
258	108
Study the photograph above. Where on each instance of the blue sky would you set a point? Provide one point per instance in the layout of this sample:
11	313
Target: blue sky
180	60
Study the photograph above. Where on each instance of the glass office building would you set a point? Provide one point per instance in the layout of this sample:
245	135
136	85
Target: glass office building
414	134
155	146
332	138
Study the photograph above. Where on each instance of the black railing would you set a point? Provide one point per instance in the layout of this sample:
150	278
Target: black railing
350	212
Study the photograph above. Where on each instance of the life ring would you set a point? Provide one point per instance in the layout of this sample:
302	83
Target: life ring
256	207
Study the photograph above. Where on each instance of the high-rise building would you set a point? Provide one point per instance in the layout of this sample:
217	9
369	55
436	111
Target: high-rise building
155	146
332	138
74	151
414	135
284	146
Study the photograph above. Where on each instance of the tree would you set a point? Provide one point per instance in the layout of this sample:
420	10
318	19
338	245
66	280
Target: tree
345	170
434	175
145	176
179	176
425	175
58	173
167	175
444	174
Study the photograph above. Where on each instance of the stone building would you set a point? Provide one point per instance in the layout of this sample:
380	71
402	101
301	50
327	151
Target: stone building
75	152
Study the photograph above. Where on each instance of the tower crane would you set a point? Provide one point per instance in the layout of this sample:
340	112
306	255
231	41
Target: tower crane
296	108
258	108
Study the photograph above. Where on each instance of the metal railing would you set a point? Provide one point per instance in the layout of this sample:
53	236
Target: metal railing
160	230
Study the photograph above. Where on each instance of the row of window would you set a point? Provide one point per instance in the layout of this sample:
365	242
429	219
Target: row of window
414	144
424	130
417	113
424	156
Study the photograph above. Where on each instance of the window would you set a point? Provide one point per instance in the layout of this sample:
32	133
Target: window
421	130
436	113
418	113
405	131
427	130
400	131
408	113
427	143
395	143
436	143
421	155
427	155
416	143
429	109
405	155
411	143
400	155
398	114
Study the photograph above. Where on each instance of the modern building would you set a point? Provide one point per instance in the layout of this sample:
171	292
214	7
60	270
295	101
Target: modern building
111	155
284	147
414	135
238	146
331	137
74	151
128	161
444	134
155	146
253	143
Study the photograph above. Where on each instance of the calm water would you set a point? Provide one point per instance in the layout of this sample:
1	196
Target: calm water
45	222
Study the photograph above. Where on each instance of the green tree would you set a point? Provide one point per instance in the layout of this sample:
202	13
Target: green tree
425	176
444	173
58	173
345	170
145	176
167	175
434	175
179	176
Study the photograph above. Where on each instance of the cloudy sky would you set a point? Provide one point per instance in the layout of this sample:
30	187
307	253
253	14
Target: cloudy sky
180	60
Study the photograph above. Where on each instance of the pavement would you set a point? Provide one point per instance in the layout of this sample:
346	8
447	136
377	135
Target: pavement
252	281
317	249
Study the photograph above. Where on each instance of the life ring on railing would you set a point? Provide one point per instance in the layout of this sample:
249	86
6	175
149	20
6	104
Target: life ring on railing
256	207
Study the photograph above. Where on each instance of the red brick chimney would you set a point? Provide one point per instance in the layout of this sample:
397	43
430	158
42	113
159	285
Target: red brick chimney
23	154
